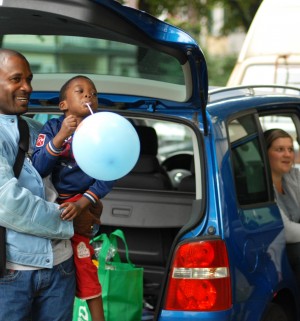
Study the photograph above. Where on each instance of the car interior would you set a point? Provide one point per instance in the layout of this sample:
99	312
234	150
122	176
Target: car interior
148	172
154	200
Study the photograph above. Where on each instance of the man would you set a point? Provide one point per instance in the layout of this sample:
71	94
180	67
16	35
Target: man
39	283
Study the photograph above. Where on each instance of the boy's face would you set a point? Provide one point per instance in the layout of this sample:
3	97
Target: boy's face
79	93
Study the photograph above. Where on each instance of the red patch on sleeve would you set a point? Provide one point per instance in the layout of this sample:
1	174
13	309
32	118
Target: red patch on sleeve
40	140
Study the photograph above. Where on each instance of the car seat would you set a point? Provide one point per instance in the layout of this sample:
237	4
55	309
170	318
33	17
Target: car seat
188	183
147	173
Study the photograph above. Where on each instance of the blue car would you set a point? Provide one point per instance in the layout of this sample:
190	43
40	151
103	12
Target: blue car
198	208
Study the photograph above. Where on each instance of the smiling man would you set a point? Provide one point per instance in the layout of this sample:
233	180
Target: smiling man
39	264
15	82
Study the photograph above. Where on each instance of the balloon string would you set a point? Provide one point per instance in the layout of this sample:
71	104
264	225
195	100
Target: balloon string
89	107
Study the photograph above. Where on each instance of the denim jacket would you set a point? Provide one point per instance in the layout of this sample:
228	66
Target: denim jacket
30	221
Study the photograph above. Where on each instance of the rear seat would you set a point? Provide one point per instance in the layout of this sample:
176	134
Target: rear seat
188	183
147	173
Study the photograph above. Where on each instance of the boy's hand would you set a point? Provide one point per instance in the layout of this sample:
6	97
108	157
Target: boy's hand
84	214
69	125
70	210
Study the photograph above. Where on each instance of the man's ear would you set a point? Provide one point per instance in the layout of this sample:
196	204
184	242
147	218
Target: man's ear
63	106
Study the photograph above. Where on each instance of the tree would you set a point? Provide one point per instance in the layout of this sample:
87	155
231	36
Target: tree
196	17
238	13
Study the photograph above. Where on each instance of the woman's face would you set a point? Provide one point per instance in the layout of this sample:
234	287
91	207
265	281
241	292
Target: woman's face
281	155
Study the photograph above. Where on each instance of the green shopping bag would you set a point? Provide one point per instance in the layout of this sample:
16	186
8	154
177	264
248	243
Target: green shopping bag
122	282
81	311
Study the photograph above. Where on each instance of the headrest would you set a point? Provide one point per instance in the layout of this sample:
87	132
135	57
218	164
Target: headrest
148	140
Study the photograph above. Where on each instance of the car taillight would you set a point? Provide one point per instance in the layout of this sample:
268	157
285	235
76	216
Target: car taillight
199	278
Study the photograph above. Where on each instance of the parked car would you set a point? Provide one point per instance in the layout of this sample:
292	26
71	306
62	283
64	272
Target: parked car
200	218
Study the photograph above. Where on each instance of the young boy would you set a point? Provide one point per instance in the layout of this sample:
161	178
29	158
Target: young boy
78	193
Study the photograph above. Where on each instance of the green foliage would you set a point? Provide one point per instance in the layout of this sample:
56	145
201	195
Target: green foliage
193	15
219	69
238	13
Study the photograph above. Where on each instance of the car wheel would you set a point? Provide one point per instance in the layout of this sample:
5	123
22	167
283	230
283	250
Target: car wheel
275	312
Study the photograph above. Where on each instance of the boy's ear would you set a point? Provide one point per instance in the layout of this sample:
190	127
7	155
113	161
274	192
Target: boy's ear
63	106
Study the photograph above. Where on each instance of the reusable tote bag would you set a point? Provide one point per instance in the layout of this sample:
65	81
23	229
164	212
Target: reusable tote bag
81	311
122	282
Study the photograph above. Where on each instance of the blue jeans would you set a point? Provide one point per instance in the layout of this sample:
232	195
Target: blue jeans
39	295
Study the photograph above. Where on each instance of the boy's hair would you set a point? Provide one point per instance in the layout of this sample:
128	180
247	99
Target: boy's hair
62	92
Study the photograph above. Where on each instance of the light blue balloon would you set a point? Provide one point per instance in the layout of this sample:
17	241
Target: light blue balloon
106	146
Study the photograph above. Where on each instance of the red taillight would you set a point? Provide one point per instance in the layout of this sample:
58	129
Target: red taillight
199	278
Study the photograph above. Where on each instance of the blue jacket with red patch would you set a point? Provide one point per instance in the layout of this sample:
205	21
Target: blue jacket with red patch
67	177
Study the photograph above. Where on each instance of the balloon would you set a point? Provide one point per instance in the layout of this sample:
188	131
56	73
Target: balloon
106	146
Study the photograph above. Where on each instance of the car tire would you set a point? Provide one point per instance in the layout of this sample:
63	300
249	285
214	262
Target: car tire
275	312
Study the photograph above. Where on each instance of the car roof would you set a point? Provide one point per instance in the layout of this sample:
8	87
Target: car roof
223	102
111	21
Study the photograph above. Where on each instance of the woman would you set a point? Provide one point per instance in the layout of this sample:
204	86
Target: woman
286	180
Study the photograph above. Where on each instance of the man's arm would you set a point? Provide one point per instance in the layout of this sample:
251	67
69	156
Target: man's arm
25	212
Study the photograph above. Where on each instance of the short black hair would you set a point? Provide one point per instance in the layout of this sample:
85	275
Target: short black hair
62	92
9	53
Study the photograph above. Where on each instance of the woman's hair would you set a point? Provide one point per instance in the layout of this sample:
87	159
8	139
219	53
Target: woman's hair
273	134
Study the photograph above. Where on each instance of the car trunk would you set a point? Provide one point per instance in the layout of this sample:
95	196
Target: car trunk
150	221
155	215
160	200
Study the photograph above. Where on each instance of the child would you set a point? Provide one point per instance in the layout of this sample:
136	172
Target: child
78	193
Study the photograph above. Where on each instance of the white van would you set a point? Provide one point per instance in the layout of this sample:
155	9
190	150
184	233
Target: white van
271	50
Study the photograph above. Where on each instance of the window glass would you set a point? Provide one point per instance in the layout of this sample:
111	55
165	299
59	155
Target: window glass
172	139
247	161
70	54
176	153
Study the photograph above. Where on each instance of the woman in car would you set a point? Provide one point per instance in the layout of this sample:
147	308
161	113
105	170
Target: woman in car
286	181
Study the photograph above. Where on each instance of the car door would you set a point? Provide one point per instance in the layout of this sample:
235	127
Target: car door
256	237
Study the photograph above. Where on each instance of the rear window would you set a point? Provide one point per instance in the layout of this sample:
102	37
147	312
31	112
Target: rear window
49	54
